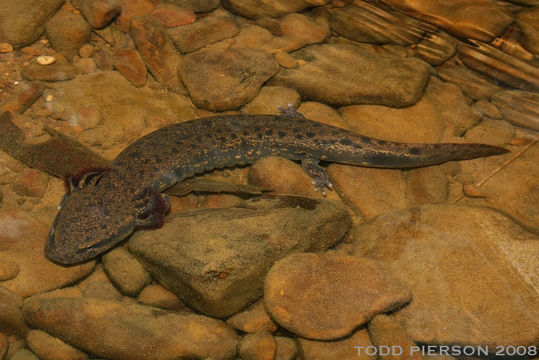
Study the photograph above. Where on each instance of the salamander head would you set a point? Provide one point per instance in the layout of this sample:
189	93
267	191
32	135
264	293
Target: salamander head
88	223
94	217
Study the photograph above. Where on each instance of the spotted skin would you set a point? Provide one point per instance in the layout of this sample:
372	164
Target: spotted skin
106	208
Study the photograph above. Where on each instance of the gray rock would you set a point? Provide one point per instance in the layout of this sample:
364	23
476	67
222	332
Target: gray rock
226	79
343	74
471	270
119	330
22	22
215	260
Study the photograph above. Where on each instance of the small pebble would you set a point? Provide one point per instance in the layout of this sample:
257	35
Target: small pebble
45	60
86	51
5	48
8	270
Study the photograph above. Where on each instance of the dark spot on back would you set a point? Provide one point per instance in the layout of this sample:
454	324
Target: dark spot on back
269	132
245	133
346	142
299	136
381	142
281	134
233	136
415	151
310	134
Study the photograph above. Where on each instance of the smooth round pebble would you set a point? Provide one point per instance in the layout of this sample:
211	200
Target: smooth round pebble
45	60
8	270
326	296
86	51
5	48
258	346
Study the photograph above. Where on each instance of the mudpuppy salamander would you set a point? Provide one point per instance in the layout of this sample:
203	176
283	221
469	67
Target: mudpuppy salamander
106	206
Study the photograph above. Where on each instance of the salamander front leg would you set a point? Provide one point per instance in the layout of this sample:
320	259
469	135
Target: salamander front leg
319	175
290	111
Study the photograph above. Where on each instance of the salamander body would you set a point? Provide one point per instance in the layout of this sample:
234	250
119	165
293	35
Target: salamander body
106	206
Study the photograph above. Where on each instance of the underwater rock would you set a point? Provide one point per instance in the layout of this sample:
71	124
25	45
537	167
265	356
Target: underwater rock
158	296
253	319
50	348
385	331
343	349
169	16
67	32
527	20
61	70
472	84
215	260
474	19
211	76
269	98
125	272
255	9
23	21
119	330
258	346
98	286
98	13
436	48
434	249
326	296
157	51
518	107
129	63
355	75
202	6
217	26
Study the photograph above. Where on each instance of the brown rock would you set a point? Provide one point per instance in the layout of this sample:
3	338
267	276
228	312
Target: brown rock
119	330
286	348
478	19
4	344
67	32
31	183
199	6
497	64
342	74
255	9
158	296
130	64
125	271
218	261
212	76
157	51
86	51
8	270
170	16
98	285
349	348
256	37
364	22
253	319
103	59
518	107
270	98
494	132
24	98
488	109
37	274
217	26
86	65
50	348
23	354
257	346
436	48
472	84
131	9
427	185
304	29
23	22
476	289
8	297
21	231
527	20
349	291
12	321
386	332
59	71
99	13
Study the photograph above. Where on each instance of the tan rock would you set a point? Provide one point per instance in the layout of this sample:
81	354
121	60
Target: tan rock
255	9
481	20
169	15
31	183
269	98
257	346
67	32
303	28
24	98
99	13
343	74
527	21
8	270
487	108
131	9
472	84
38	274
119	330
8	297
253	319
50	348
350	348
23	354
211	76
12	320
436	48
326	296
125	272
98	285
158	296
4	344
386	333
217	26
471	271
218	261
518	107
286	348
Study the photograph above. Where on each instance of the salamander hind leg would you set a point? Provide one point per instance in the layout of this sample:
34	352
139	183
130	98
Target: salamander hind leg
319	175
150	208
290	111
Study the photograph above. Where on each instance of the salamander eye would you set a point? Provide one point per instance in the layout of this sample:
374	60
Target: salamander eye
87	177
